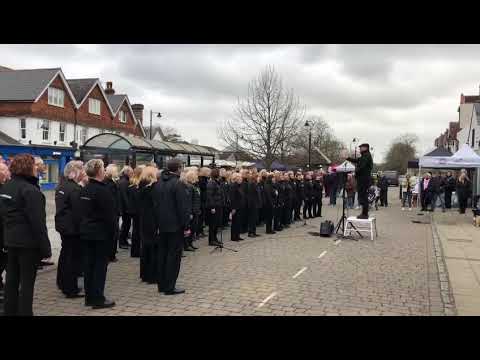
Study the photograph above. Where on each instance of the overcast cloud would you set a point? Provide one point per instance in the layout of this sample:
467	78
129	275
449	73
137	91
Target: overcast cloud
373	92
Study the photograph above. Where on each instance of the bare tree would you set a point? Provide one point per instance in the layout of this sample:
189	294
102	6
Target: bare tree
323	139
265	119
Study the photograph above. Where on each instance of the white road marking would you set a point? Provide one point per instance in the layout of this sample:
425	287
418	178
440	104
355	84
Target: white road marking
298	273
267	299
322	254
338	242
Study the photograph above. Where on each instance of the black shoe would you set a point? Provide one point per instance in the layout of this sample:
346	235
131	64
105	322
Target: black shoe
46	263
193	247
74	296
114	260
106	304
251	235
189	249
240	239
214	243
235	240
362	216
271	232
175	291
256	235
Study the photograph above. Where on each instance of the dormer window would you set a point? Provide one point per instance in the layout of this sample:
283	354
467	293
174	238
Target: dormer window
56	97
123	117
94	106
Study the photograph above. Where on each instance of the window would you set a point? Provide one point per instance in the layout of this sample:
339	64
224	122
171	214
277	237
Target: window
23	128
45	129
56	96
123	117
61	132
94	106
83	135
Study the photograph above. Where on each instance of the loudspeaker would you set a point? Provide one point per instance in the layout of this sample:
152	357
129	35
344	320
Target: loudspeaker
326	228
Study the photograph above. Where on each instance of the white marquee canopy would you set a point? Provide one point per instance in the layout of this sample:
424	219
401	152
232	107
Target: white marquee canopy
465	157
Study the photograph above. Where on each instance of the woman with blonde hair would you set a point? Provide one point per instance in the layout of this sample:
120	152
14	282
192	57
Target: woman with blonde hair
111	178
147	225
463	191
190	178
132	193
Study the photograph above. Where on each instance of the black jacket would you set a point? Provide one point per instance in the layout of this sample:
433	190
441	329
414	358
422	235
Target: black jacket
68	210
237	196
98	219
114	189
463	189
24	217
148	225
270	195
437	185
202	184
189	201
170	197
363	169
244	187
383	183
215	194
308	190
226	190
196	200
279	191
300	190
123	184
317	189
288	193
450	183
132	204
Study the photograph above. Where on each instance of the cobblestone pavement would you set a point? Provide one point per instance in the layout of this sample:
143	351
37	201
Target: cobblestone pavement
290	273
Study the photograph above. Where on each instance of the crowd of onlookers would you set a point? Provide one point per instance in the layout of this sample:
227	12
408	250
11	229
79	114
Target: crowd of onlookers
432	190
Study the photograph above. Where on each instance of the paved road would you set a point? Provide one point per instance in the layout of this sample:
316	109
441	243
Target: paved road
282	274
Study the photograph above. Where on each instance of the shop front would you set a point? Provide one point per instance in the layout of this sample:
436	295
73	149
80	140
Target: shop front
54	158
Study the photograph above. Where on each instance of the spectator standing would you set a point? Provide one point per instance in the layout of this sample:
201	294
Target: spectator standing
25	234
350	188
450	184
111	178
123	184
408	184
4	177
463	191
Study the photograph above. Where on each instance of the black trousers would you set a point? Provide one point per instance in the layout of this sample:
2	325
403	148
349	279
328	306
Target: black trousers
448	199
363	198
135	249
307	207
426	198
149	262
462	204
277	218
126	224
169	259
268	212
214	221
244	219
69	263
252	220
235	229
20	281
225	215
384	197
3	266
317	206
96	264
298	206
115	239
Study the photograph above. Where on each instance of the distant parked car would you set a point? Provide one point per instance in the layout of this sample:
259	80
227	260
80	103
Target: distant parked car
392	177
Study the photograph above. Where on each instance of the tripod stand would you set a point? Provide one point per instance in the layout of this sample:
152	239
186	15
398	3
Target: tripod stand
341	223
220	246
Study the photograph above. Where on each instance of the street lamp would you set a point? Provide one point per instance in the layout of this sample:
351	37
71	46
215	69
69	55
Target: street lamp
159	115
309	124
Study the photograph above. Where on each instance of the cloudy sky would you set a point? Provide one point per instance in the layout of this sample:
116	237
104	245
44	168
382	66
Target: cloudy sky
373	92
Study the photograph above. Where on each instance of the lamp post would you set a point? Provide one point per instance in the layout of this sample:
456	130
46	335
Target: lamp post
309	124
159	115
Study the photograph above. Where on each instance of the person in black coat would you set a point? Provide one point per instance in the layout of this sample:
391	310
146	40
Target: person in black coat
123	184
224	177
25	234
67	216
111	175
300	194
133	211
333	187
280	201
288	196
463	192
317	196
269	205
197	212
254	203
97	228
203	175
215	202
148	226
4	177
450	184
172	217
188	178
425	192
383	185
363	175
244	213
307	197
238	203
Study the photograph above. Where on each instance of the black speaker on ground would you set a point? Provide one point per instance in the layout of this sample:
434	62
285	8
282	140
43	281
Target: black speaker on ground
326	228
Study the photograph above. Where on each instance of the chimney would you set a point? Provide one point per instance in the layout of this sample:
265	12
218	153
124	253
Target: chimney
138	112
109	89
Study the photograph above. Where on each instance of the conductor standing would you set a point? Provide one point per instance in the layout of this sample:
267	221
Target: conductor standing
363	175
